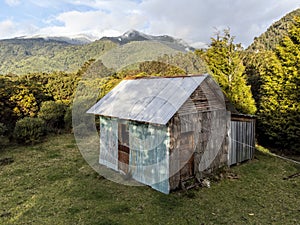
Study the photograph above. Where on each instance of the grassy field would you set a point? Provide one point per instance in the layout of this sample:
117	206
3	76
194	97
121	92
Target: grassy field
50	183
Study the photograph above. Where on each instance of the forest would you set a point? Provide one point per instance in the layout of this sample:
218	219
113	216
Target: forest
262	80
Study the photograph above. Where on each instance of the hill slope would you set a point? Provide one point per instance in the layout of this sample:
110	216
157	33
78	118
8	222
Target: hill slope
269	39
27	55
134	52
20	56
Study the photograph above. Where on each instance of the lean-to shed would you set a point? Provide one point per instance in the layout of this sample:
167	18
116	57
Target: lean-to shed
165	130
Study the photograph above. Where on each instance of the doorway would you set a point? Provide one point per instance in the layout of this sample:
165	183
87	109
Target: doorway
123	147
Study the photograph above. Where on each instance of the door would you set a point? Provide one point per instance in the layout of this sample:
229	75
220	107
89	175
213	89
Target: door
187	155
123	147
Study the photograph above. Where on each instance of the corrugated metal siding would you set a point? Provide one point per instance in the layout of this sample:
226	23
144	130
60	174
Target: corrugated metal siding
149	158
147	100
148	154
242	141
109	142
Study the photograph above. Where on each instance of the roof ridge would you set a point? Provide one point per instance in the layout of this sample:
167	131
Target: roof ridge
160	77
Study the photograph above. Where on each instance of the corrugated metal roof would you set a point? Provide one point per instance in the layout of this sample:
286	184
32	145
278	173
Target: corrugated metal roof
147	100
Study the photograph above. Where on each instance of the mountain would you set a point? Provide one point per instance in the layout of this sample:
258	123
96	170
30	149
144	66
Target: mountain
269	39
79	39
133	52
48	54
133	35
29	55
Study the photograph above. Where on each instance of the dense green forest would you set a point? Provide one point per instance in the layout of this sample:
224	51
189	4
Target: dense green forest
263	80
275	79
23	56
274	34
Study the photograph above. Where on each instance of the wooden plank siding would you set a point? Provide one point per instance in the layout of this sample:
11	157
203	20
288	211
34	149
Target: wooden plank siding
242	132
199	116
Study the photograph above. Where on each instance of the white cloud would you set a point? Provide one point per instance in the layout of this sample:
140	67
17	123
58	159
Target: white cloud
6	26
103	22
47	3
193	20
12	2
196	20
11	29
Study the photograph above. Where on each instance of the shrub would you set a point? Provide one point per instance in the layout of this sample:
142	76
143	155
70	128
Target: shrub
29	130
3	138
53	114
3	129
68	119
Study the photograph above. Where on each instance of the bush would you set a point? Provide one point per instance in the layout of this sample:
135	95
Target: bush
53	114
29	130
3	137
68	119
3	129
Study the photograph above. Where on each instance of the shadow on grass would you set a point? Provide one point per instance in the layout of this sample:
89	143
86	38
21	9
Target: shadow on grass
167	203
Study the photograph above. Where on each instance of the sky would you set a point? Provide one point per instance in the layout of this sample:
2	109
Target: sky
194	21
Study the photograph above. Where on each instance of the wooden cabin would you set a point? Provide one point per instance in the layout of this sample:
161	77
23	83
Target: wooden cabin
165	130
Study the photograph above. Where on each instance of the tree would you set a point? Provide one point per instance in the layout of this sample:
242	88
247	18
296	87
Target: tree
280	102
62	85
270	122
225	63
7	115
25	102
189	62
159	68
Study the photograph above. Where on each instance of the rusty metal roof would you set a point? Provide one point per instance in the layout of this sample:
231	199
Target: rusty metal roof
147	100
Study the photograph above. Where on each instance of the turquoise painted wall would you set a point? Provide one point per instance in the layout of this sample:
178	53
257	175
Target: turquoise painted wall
149	151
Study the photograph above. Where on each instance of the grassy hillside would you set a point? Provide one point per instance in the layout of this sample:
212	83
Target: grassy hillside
21	56
50	183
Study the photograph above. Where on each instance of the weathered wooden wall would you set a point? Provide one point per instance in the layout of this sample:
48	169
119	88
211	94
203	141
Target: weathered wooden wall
213	149
205	115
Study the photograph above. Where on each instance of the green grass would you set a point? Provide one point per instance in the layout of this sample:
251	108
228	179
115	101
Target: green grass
50	183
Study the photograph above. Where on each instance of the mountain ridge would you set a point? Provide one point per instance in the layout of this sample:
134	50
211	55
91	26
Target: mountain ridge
134	35
79	39
40	53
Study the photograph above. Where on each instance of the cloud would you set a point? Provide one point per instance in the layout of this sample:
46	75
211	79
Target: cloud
12	2
193	20
10	29
197	20
106	20
6	26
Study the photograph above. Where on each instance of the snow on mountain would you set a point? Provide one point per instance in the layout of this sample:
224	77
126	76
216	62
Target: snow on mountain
79	39
133	35
127	37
